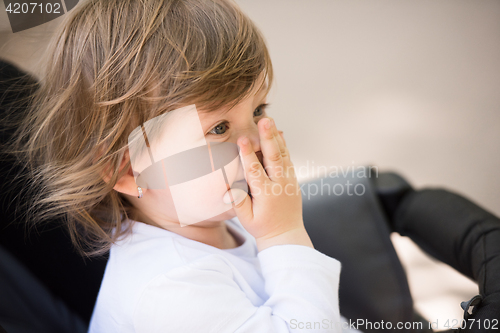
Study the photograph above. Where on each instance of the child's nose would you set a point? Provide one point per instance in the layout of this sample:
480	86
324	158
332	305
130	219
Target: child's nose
253	135
260	157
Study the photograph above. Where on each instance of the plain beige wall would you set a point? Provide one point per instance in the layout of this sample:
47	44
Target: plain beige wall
410	86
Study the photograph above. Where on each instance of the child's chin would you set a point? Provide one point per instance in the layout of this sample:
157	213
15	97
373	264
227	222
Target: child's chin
226	215
221	217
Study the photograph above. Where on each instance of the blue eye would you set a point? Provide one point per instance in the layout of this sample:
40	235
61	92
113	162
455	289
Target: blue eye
259	111
219	129
222	127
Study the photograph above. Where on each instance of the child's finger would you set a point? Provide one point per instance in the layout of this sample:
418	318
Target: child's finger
273	161
287	163
241	202
254	172
282	137
278	137
281	143
255	177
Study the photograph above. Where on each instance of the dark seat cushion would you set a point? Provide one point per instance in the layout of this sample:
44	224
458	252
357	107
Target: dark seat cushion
47	252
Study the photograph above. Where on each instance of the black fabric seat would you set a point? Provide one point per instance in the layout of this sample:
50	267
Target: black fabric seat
45	286
46	252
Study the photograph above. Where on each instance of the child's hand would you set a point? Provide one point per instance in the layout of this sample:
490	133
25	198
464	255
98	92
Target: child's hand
273	215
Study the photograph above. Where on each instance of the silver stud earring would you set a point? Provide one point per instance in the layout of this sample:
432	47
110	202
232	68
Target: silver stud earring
140	191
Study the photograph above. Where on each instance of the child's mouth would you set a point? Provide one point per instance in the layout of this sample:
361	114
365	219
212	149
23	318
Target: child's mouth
260	157
241	184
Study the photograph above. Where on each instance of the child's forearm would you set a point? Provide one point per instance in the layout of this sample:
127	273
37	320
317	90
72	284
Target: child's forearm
297	236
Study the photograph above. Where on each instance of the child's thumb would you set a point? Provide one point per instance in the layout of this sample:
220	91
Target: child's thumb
240	201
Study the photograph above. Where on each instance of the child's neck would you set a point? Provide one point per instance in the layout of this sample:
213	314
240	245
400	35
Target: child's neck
215	234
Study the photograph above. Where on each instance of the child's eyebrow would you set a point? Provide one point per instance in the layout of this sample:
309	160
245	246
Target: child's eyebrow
258	94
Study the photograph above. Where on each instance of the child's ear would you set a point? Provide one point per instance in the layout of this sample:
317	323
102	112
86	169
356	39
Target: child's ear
126	184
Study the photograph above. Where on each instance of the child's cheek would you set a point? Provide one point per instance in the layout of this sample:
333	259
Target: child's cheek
201	198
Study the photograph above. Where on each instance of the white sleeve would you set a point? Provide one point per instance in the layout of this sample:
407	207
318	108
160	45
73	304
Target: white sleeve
302	284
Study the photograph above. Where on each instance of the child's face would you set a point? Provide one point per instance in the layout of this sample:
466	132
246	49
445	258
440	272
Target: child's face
179	188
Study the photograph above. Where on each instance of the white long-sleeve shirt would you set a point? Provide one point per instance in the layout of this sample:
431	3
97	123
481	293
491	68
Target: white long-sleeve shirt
158	281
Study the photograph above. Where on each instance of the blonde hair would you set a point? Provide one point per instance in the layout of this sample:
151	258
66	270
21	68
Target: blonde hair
111	66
